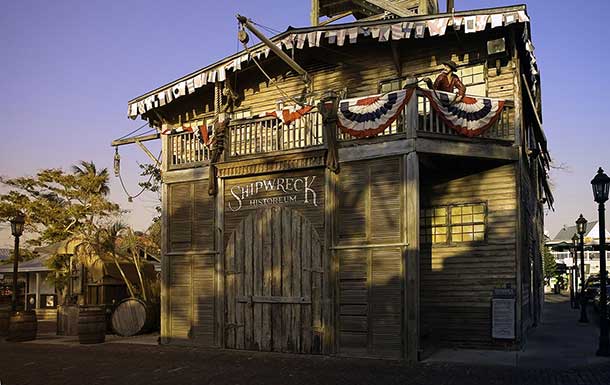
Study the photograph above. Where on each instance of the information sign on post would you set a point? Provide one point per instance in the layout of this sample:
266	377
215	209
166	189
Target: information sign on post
503	314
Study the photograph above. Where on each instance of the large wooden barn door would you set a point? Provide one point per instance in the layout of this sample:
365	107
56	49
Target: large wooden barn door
273	283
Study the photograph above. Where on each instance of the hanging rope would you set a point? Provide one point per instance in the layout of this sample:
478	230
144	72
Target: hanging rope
245	44
268	29
134	131
117	173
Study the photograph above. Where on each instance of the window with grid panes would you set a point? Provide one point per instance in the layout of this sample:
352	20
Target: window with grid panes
434	225
473	78
453	224
467	223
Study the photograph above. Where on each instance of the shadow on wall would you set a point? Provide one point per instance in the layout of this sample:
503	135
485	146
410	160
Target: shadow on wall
458	278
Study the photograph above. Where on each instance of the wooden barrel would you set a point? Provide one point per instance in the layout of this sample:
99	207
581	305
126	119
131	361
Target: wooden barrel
22	326
133	316
5	315
91	325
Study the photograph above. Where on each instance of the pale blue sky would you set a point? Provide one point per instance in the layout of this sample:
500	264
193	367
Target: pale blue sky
69	67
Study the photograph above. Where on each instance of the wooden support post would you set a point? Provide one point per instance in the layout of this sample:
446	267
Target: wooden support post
26	291
411	118
519	229
315	12
37	290
148	153
331	264
411	262
219	305
396	58
165	262
519	143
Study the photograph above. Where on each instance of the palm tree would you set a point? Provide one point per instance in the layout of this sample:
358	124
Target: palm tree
131	245
103	243
90	179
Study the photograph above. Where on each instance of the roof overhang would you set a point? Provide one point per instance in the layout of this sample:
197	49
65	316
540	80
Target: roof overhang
297	37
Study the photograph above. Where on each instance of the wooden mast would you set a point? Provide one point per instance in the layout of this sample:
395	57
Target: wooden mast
315	12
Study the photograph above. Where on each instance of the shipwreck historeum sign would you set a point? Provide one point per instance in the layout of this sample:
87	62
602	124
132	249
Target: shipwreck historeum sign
276	190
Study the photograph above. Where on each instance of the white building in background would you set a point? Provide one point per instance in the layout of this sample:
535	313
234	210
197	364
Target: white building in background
561	245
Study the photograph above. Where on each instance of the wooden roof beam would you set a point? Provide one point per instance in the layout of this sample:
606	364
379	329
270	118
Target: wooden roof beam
335	18
386	5
368	8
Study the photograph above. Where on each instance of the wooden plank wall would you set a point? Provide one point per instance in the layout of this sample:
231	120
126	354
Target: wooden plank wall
370	203
191	262
532	218
191	217
457	280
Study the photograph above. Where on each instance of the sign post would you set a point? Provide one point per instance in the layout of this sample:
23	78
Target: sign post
503	314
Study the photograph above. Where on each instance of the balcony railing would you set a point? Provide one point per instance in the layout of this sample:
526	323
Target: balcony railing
248	137
429	122
185	150
264	135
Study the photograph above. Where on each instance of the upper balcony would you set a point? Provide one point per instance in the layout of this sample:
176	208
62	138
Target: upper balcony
266	137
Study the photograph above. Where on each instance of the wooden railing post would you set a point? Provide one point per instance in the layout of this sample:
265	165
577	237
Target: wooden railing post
411	120
229	142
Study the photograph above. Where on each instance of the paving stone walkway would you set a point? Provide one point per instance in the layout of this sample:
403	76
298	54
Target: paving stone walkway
544	362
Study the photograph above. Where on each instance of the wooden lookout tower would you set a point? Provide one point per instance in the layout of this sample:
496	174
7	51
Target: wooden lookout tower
369	9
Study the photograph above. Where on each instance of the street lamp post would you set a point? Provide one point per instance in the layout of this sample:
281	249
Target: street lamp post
601	187
575	240
572	276
581	228
17	229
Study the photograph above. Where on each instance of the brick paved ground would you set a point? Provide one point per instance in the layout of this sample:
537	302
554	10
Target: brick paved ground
139	364
112	363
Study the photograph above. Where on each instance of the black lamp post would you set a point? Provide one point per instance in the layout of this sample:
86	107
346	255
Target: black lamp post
575	240
601	187
17	229
581	228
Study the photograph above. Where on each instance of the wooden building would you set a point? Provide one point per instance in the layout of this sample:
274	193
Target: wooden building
300	237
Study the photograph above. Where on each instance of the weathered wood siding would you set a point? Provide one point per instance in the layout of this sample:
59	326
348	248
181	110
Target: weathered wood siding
457	280
191	257
192	298
532	219
370	206
191	217
360	69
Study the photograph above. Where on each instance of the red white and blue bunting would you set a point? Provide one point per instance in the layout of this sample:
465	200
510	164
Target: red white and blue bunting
470	117
365	117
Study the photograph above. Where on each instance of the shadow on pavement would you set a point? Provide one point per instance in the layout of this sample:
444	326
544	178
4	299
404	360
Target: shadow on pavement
559	342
